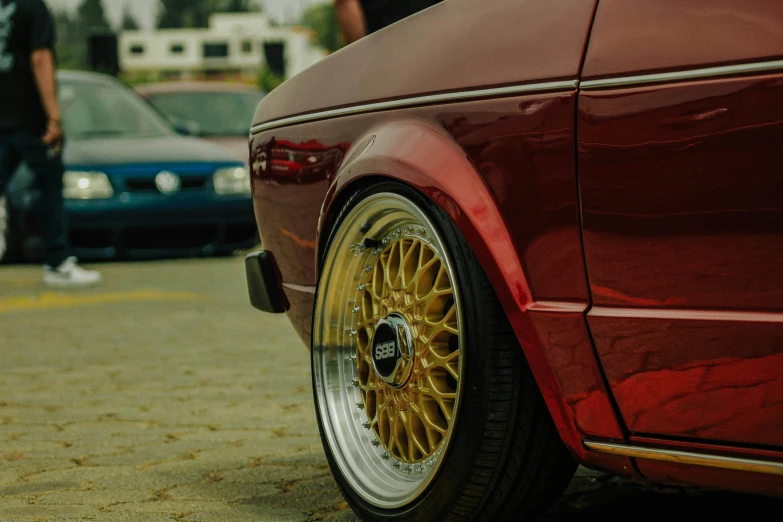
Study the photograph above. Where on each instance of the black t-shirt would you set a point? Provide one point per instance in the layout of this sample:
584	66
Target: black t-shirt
380	13
25	26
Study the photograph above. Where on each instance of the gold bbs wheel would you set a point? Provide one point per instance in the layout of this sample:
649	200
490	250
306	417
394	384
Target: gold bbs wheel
408	346
387	349
426	407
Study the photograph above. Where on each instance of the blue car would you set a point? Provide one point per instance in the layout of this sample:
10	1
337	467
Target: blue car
133	187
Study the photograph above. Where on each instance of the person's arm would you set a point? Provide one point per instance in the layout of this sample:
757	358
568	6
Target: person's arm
351	19
42	63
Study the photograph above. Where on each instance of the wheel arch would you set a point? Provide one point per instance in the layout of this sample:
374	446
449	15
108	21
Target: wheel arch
420	155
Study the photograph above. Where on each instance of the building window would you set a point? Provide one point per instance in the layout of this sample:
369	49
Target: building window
247	46
216	50
137	49
177	48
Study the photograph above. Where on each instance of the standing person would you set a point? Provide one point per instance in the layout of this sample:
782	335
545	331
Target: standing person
358	18
30	128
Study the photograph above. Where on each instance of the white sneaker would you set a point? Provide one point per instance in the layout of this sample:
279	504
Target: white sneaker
69	274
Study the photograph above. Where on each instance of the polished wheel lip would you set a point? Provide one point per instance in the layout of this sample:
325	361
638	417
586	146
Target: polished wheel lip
5	225
371	471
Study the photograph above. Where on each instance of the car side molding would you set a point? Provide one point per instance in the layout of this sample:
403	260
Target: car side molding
430	99
691	74
686	457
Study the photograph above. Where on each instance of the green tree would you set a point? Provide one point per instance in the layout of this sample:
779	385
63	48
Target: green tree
268	80
71	41
91	16
322	20
129	22
177	14
234	6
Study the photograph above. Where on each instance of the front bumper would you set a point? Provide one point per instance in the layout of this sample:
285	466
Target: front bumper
150	227
264	283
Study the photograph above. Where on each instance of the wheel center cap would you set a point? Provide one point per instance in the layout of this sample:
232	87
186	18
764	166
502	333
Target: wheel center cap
392	350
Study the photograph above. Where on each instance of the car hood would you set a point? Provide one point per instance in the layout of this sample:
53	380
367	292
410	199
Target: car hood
159	149
238	146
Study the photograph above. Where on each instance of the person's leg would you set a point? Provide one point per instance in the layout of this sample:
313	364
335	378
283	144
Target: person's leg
47	166
9	161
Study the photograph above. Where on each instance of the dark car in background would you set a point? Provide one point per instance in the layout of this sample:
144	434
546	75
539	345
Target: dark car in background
219	112
133	187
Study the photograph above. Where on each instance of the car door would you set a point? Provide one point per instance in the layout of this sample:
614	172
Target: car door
680	150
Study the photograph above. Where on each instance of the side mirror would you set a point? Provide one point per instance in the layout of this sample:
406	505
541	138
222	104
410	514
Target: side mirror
185	127
182	130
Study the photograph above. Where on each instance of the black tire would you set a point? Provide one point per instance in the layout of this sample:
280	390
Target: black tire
505	459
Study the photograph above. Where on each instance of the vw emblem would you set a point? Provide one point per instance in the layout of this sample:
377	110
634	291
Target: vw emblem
167	182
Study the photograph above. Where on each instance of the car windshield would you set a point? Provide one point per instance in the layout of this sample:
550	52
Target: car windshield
210	113
98	109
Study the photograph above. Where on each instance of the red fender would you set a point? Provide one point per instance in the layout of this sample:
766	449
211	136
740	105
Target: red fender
422	156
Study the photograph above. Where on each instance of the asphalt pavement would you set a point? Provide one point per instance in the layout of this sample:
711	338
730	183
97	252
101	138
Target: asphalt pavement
162	395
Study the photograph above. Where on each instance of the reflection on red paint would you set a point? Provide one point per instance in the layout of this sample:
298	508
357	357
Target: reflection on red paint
599	290
298	240
710	379
292	162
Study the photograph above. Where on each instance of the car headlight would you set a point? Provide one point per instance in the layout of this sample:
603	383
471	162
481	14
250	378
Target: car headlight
232	181
86	185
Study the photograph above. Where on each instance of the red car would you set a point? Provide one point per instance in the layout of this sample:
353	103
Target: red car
554	238
219	112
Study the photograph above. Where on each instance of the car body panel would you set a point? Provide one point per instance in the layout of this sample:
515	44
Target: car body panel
145	151
680	187
634	37
397	62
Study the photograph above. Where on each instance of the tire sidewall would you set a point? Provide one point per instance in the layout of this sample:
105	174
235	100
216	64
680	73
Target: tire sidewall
438	501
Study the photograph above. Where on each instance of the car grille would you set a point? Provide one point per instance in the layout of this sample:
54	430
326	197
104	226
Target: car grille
148	185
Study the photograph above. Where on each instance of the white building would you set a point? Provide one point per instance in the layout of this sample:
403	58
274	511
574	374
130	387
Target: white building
233	43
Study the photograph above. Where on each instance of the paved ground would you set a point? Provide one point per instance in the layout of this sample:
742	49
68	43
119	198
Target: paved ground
163	396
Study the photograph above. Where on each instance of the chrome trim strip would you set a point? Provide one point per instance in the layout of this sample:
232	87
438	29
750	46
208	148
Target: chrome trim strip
300	288
688	315
693	74
559	307
687	457
430	99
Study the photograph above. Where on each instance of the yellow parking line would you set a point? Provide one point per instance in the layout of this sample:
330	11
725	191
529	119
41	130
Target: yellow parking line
53	300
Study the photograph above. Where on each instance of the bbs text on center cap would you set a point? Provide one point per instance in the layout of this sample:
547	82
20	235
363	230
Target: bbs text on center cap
392	350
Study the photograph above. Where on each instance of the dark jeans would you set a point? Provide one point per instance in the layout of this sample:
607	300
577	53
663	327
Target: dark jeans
47	166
